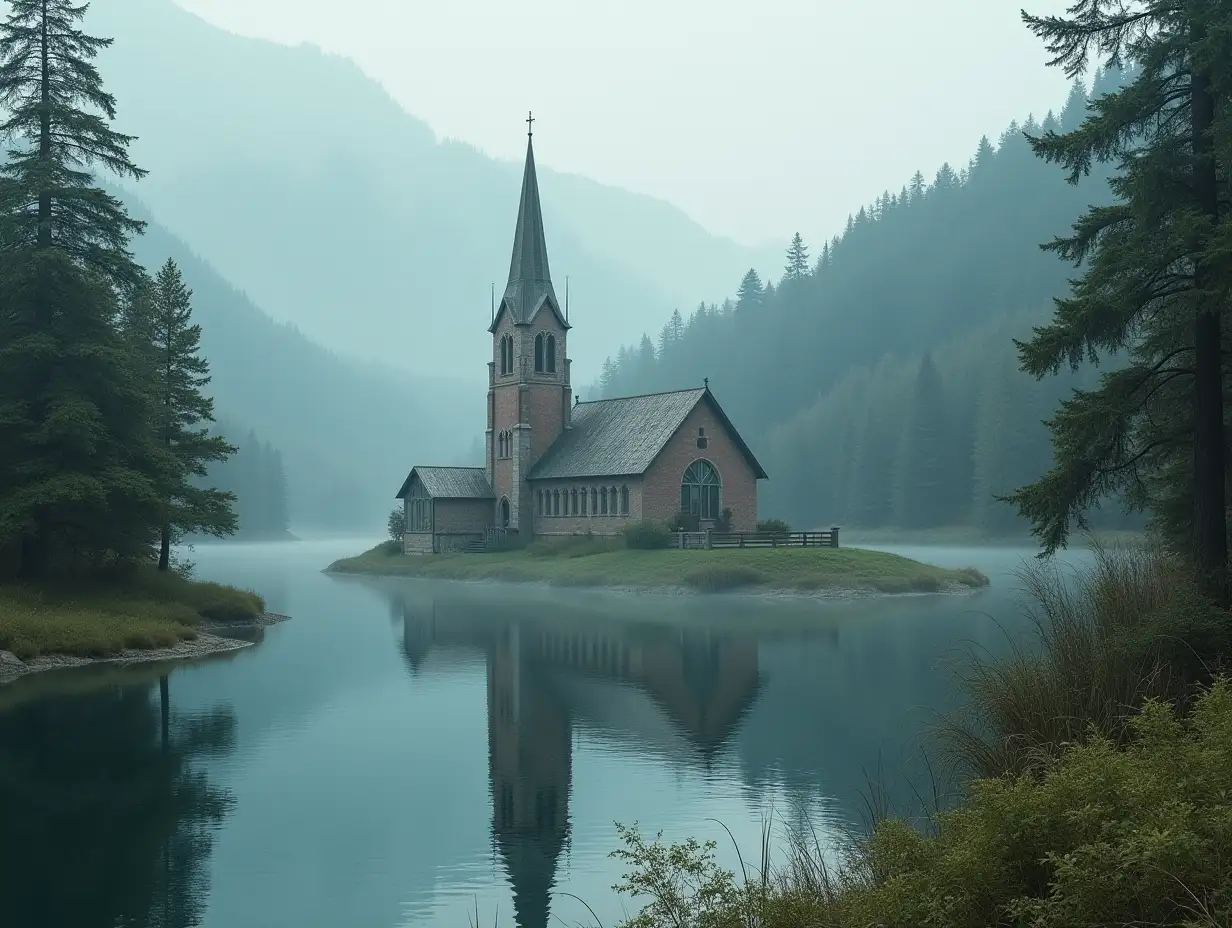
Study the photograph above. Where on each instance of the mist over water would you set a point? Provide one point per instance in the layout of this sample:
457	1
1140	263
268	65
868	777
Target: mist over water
403	751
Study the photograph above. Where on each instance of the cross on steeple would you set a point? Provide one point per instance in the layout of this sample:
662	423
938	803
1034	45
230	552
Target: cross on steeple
530	123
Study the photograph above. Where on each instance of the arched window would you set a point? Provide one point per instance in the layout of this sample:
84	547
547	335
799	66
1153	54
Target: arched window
594	501
539	353
700	490
539	495
555	502
551	358
624	501
508	354
573	504
585	494
603	500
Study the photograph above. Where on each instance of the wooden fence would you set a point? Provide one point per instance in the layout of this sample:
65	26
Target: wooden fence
712	539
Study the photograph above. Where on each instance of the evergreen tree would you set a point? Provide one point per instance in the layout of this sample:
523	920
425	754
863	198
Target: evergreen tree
797	259
750	294
1155	275
78	464
925	478
184	413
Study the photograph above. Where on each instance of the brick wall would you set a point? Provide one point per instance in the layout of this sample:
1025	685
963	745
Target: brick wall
594	522
462	516
661	485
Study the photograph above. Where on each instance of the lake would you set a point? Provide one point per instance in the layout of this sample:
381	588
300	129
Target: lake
415	753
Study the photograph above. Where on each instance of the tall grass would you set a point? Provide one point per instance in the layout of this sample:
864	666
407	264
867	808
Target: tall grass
1130	627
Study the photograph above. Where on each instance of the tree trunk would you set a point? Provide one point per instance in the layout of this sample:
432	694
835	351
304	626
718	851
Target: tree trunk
164	548
1210	535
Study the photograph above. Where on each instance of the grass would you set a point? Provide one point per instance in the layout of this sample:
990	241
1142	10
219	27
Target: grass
1103	791
145	611
591	561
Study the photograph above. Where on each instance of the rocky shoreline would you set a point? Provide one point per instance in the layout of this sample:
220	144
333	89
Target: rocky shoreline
211	639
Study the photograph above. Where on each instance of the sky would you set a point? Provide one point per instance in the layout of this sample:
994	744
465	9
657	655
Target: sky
758	119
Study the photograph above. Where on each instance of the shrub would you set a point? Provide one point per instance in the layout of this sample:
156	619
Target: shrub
396	524
684	522
646	534
1103	835
724	522
1130	628
774	526
391	547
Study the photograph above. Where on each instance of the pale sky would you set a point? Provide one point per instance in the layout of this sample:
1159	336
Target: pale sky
758	118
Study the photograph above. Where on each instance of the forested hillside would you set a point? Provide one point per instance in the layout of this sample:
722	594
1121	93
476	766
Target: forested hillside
348	431
257	477
352	220
878	378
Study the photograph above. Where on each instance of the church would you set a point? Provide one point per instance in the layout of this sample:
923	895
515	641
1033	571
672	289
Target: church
554	465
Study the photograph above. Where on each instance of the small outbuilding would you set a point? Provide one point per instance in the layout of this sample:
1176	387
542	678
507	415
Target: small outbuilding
446	508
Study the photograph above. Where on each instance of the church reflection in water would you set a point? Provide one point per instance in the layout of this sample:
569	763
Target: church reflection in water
540	664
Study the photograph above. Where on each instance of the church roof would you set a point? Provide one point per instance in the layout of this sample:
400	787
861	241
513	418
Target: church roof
530	282
622	437
450	482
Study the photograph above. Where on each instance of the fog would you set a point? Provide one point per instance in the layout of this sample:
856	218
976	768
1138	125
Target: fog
343	234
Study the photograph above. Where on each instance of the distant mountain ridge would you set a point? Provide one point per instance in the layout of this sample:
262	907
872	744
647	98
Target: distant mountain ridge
313	190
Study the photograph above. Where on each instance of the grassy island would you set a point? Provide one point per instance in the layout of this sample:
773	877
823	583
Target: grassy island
606	562
145	611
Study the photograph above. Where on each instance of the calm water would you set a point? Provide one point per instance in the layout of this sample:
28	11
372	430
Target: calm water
409	753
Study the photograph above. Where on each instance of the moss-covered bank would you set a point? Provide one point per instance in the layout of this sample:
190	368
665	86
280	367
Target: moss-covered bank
596	562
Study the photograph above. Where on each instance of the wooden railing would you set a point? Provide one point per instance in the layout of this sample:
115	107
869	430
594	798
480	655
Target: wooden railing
712	539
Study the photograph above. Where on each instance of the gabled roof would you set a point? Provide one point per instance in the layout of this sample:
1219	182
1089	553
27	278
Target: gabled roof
622	437
450	482
530	282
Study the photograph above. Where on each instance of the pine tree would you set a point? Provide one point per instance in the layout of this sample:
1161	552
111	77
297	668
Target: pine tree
797	259
750	294
184	414
1155	266
78	465
925	478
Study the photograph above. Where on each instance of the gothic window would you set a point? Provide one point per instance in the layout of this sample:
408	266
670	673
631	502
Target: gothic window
539	353
573	504
540	498
603	500
594	501
700	490
555	502
585	495
500	444
551	355
624	501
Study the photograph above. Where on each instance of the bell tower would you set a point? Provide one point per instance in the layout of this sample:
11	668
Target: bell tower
529	395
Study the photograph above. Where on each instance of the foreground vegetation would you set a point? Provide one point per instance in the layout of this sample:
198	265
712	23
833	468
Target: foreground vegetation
1103	763
607	562
149	609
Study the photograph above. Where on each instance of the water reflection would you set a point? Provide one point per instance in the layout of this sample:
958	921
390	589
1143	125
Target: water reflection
106	820
542	670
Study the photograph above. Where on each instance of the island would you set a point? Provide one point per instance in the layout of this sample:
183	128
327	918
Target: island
593	561
148	615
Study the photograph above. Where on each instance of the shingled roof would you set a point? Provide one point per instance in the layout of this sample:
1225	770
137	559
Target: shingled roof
622	437
530	281
450	482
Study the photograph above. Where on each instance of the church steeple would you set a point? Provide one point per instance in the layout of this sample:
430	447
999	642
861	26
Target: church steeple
530	282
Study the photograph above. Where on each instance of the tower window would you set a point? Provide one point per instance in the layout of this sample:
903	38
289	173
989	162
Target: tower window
539	353
551	358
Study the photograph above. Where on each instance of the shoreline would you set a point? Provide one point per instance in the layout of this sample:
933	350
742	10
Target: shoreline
750	592
209	641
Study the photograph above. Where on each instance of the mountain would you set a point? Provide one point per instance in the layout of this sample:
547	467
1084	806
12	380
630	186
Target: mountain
347	431
313	191
880	388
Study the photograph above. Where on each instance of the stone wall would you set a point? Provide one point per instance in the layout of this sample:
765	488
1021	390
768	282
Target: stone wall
661	490
417	543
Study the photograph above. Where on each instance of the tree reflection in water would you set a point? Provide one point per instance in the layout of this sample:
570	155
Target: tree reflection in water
106	821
